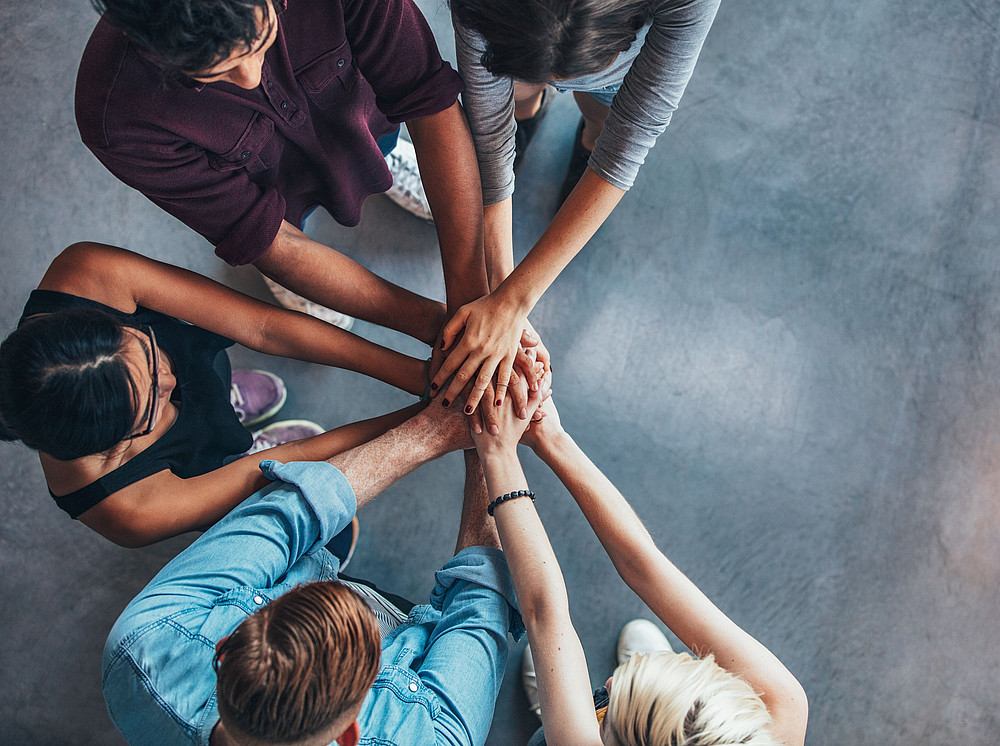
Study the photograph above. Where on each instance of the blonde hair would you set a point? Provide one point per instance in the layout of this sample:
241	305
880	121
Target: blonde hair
674	699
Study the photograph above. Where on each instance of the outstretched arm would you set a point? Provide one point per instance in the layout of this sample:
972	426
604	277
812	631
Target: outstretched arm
450	176
678	602
123	279
560	664
164	505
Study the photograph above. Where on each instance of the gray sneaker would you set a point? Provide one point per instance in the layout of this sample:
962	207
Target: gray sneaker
641	636
407	190
283	432
295	302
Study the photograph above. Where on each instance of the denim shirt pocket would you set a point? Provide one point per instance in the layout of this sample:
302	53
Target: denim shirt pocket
253	151
329	77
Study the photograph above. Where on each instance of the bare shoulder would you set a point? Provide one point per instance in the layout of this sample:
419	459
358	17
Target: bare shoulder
94	271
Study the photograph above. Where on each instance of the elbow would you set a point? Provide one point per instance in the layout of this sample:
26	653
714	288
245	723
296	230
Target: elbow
799	701
540	611
130	529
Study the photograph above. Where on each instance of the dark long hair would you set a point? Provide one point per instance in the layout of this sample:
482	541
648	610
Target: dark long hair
541	40
65	389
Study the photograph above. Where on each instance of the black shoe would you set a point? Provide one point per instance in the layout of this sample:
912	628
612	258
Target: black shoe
526	128
577	165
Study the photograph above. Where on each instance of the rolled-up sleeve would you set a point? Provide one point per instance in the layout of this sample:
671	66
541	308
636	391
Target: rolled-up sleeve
239	217
652	89
396	52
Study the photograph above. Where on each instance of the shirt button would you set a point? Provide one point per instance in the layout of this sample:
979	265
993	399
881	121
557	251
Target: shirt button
270	84
258	600
245	154
340	63
284	105
413	686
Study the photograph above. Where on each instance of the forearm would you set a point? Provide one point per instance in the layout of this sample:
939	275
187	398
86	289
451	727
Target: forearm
475	528
498	221
584	211
301	337
239	480
533	564
450	175
332	279
373	466
560	663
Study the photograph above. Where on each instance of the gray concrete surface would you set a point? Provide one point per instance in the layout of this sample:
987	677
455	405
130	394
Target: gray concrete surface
783	346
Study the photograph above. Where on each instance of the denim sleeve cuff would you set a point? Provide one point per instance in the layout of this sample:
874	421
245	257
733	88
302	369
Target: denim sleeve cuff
324	487
484	566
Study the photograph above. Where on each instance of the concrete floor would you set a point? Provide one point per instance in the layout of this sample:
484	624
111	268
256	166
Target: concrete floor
782	346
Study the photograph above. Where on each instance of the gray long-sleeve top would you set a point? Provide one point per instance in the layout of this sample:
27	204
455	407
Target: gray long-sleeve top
653	74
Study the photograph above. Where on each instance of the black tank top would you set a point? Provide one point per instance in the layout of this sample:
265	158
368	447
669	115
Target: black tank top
206	432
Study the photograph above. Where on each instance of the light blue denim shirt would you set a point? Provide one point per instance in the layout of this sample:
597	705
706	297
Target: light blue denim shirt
440	672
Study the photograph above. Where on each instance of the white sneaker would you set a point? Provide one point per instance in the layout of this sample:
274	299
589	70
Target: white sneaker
296	302
640	636
407	190
530	681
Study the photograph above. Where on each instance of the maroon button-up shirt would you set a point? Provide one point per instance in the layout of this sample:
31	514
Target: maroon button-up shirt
232	163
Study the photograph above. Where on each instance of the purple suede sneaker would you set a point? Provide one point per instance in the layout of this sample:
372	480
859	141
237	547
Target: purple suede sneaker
283	432
256	395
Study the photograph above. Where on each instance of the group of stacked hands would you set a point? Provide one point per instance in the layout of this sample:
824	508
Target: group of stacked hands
238	117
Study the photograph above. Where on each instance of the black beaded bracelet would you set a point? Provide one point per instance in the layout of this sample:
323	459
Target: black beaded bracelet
509	496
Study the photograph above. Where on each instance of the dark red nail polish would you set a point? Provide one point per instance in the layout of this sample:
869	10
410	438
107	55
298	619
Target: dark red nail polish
442	344
498	403
434	386
445	402
468	409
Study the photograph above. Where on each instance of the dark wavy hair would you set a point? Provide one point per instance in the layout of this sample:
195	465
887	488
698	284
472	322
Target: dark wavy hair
65	389
187	35
541	40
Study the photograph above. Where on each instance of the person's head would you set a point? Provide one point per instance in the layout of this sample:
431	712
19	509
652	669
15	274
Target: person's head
677	699
209	40
79	382
297	670
537	41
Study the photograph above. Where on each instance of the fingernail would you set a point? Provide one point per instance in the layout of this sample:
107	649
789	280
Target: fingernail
445	402
442	344
434	386
523	414
477	428
468	409
497	403
494	430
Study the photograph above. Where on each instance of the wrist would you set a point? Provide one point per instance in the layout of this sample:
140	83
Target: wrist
550	446
435	317
518	302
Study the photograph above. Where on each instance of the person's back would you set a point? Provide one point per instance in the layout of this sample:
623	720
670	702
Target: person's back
246	637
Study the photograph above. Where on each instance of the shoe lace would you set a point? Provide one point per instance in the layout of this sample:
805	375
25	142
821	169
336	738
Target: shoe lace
236	399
